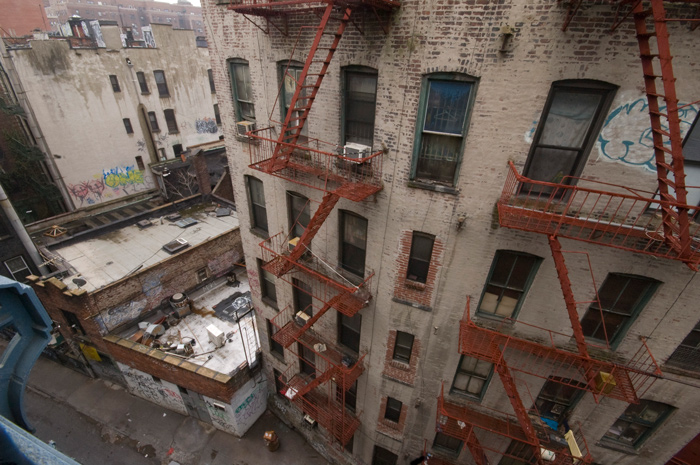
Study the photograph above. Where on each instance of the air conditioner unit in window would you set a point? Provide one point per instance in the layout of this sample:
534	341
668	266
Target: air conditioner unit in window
292	243
309	421
243	127
357	152
301	318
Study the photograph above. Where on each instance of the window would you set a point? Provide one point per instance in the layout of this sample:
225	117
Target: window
161	154
202	274
350	396
303	300
242	90
622	297
381	456
73	322
567	130
472	376
289	85
307	360
446	442
217	115
279	384
142	82
353	242
18	269
267	285
360	102
392	412
349	330
687	354
557	397
419	260
161	83
153	121
441	127
171	121
509	279
127	126
518	453
211	81
258	212
139	162
177	150
115	83
637	422
403	347
299	213
275	347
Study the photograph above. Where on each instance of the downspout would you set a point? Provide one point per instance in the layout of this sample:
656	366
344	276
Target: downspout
16	85
22	233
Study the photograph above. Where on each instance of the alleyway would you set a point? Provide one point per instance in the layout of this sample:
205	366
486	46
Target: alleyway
99	423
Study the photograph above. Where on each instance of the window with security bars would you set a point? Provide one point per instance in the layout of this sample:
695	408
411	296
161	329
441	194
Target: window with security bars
637	423
442	122
622	298
242	90
508	282
472	377
18	269
360	103
687	354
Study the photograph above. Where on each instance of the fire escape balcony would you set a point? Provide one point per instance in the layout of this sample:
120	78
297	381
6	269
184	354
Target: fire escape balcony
596	212
268	8
323	406
465	423
317	164
627	382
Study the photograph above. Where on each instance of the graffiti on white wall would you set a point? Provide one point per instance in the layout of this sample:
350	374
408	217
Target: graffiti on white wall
206	126
112	182
159	392
118	315
249	403
220	415
626	136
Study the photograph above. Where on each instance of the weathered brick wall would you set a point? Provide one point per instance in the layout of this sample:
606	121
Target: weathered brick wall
21	18
411	292
388	427
511	90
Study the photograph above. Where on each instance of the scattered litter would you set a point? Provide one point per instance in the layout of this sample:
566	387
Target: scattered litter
52	443
170	451
128	419
164	414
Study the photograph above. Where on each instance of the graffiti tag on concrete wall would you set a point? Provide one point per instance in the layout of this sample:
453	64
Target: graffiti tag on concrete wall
220	417
112	182
206	125
626	136
143	385
250	408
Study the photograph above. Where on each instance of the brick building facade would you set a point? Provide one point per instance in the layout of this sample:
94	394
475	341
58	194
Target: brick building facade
450	93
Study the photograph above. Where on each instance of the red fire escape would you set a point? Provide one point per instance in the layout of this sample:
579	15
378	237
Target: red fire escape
595	212
284	151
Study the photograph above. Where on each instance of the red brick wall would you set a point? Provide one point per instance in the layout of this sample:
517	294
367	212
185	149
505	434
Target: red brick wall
21	17
388	427
177	375
402	372
409	291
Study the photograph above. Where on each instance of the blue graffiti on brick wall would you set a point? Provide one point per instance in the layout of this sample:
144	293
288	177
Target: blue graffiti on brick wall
626	136
206	125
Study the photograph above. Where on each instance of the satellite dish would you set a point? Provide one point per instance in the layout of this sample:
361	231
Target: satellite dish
79	282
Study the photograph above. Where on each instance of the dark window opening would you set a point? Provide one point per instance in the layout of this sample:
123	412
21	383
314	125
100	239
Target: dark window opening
142	82
392	412
353	242
349	329
115	83
419	259
127	126
161	83
171	121
509	280
211	81
153	121
360	101
403	347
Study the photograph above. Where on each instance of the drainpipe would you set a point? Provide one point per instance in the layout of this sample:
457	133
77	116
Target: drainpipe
16	85
21	232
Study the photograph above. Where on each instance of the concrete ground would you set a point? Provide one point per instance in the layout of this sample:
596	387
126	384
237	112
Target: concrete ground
97	422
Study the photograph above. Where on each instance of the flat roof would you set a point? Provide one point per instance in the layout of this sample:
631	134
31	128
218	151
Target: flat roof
217	304
113	255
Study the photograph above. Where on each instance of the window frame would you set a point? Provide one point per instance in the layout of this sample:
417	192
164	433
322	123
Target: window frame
420	123
345	339
234	89
639	305
255	220
607	92
344	102
412	259
143	84
686	353
217	114
210	75
289	65
127	125
276	348
297	228
114	80
397	355
268	286
153	121
171	122
438	444
650	427
526	286
561	384
163	90
300	292
342	243
392	410
471	374
383	456
12	273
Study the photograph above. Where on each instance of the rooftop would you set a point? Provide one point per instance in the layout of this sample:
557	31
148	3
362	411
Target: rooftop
222	304
106	258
